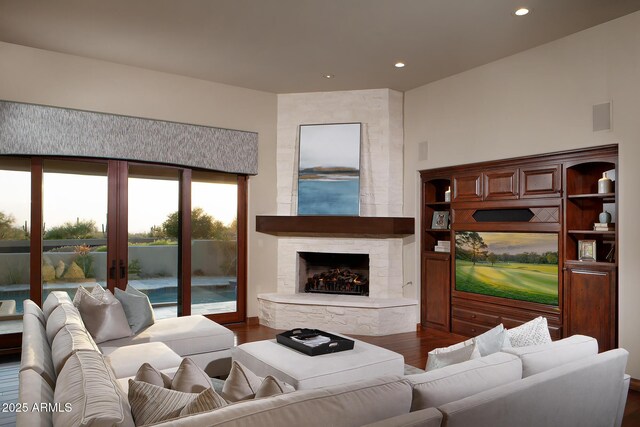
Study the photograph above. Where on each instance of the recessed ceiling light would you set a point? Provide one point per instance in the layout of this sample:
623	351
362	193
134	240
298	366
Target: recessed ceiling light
399	64
328	76
521	12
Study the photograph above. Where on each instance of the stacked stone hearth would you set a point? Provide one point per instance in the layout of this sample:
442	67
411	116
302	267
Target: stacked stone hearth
384	310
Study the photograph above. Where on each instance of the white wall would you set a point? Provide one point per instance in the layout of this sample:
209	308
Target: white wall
49	78
534	102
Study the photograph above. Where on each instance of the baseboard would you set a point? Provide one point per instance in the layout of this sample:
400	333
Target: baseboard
635	384
252	321
418	327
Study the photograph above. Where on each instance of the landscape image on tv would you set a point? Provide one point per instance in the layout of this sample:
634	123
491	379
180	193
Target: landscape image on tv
520	266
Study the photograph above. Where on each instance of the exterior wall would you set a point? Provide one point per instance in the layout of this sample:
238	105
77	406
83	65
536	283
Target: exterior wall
540	101
43	77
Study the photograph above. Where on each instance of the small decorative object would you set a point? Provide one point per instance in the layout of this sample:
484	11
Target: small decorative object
604	217
329	169
440	220
611	254
605	185
447	195
587	250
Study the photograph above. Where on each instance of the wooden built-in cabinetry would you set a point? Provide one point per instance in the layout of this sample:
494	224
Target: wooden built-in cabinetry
551	193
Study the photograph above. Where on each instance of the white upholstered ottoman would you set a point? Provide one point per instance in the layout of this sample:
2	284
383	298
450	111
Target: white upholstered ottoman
307	372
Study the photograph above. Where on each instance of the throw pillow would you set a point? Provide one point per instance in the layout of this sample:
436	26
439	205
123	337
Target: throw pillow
272	387
441	357
241	384
492	341
190	378
151	403
534	332
148	374
136	307
205	401
104	317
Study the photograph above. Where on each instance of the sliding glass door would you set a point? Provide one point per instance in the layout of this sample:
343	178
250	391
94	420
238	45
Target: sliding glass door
153	235
176	234
74	225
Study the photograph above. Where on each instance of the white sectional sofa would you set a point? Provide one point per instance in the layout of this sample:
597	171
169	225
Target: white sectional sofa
563	383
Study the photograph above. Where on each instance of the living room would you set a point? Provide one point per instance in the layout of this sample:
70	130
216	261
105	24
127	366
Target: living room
534	100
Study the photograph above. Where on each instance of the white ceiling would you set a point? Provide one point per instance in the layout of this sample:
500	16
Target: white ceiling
286	46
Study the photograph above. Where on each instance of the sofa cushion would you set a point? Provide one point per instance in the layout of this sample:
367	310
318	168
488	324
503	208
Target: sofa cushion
582	393
185	335
272	386
88	384
151	403
539	358
457	381
53	300
125	361
441	357
189	378
36	355
241	384
34	390
63	314
68	340
534	332
137	308
207	400
492	341
148	374
350	404
32	308
103	315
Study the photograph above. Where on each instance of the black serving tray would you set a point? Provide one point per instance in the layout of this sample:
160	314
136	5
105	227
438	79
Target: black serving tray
336	344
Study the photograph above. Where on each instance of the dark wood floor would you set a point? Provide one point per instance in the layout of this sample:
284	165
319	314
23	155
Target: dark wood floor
414	346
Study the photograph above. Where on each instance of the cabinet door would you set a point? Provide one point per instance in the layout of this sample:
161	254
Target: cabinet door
591	304
436	273
541	181
467	187
501	185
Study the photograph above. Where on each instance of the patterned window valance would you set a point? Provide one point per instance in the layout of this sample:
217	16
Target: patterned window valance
28	129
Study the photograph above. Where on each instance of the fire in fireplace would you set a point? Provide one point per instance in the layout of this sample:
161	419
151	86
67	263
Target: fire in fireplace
334	273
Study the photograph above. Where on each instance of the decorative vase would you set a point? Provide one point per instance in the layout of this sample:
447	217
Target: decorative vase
605	185
447	195
605	217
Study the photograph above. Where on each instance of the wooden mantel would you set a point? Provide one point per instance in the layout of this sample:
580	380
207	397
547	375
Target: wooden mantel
325	226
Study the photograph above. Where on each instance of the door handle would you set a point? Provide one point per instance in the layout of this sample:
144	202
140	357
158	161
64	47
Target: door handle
112	270
122	271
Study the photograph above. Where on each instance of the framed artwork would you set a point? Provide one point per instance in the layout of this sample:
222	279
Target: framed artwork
329	169
587	250
440	220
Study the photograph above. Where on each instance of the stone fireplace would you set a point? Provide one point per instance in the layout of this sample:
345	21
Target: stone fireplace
383	309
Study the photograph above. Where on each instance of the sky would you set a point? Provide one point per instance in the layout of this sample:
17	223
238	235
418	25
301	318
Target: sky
67	197
330	145
516	243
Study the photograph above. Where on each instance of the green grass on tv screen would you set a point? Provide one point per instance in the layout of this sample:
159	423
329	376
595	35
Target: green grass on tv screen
520	266
526	282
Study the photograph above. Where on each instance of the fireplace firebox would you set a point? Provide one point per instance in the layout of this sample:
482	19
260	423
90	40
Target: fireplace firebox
333	273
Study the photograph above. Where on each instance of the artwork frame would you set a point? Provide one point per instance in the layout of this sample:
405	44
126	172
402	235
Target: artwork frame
440	220
587	250
329	169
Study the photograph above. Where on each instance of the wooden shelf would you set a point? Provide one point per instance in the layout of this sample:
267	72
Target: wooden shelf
324	226
592	196
438	203
587	264
606	233
438	230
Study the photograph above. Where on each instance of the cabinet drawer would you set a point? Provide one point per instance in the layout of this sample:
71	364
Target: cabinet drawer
468	329
554	331
474	316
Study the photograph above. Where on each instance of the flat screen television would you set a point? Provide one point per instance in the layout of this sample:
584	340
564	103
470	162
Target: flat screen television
518	266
